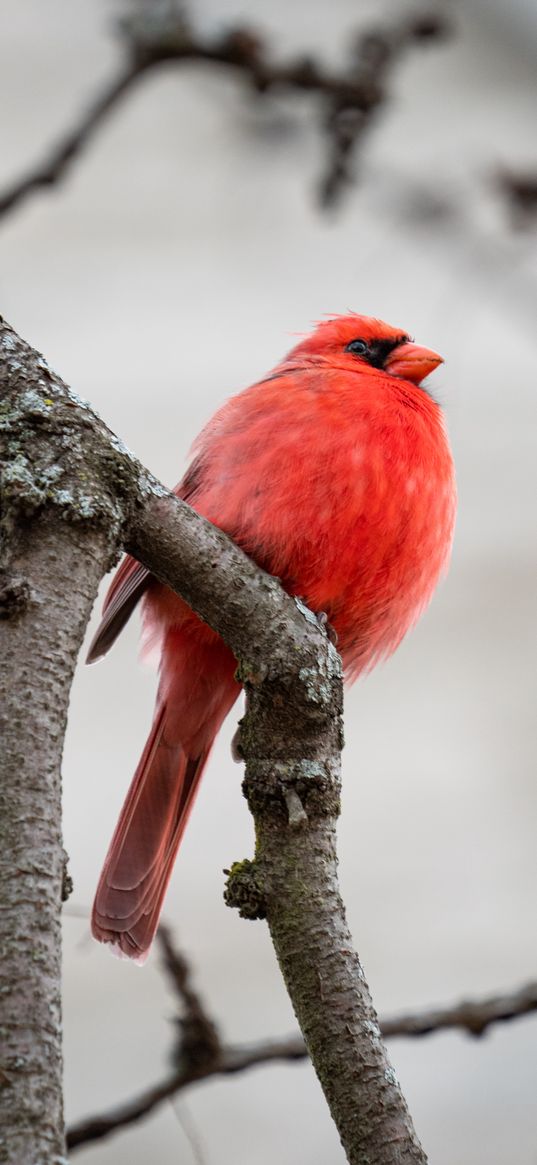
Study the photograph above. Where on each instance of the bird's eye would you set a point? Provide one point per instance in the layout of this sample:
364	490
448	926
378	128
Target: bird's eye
357	347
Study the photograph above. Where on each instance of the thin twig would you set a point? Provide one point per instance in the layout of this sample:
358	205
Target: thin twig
374	55
470	1016
231	1060
198	1043
188	1126
54	166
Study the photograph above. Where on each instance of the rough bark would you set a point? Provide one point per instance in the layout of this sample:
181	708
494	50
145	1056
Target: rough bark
52	562
71	494
295	802
37	656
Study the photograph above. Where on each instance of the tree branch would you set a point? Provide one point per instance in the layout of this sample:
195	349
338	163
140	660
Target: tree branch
66	476
163	36
200	1054
473	1016
231	1061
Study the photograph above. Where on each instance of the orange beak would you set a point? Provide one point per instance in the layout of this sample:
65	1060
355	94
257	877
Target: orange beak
411	362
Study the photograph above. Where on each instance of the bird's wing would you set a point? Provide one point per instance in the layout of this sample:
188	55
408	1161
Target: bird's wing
127	587
131	580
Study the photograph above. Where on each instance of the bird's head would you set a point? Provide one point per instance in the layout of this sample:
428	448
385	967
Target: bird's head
360	339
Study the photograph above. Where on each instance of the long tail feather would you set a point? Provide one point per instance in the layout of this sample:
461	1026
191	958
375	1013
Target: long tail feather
140	859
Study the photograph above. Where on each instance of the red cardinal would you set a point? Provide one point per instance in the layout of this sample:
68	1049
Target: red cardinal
335	474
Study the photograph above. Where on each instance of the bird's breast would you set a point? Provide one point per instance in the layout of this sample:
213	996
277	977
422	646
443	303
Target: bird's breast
346	494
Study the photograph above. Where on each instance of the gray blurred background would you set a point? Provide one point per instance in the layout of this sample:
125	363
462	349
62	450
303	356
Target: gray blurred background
168	271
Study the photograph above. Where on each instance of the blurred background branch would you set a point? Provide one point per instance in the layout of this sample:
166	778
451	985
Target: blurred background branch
199	1053
519	191
163	34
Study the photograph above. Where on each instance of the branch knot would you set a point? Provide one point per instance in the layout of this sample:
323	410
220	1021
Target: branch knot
283	787
244	889
15	595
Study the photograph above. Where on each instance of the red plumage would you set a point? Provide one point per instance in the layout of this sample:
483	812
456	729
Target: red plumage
335	474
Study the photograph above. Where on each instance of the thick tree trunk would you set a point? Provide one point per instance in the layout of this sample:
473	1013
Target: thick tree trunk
58	522
46	602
